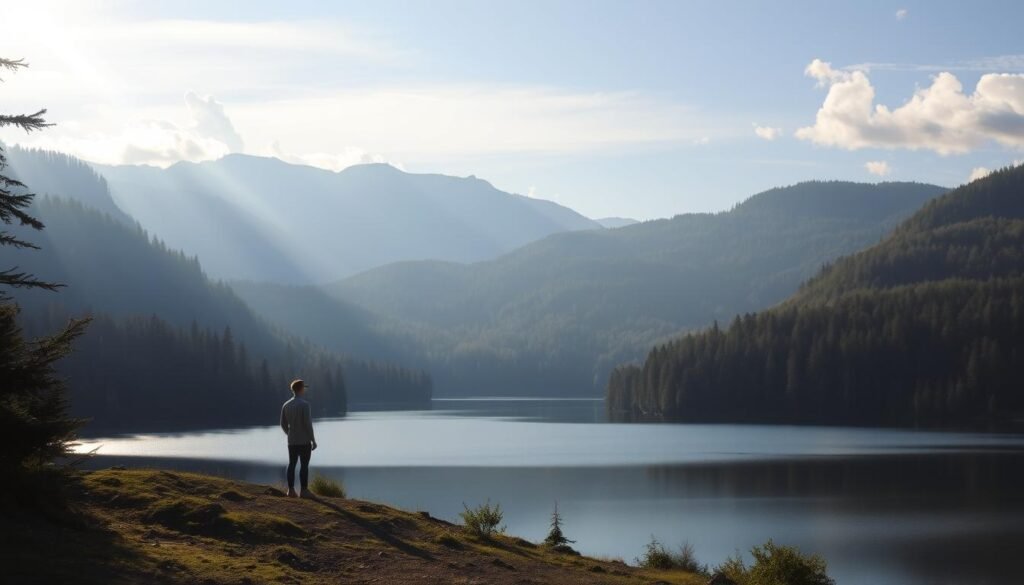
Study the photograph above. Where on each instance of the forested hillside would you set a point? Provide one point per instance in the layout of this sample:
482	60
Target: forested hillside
54	173
925	328
556	316
164	335
265	220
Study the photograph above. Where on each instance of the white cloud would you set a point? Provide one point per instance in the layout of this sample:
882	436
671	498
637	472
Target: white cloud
702	140
982	172
340	128
209	134
1004	63
210	121
940	117
112	81
878	167
90	48
435	122
979	173
767	132
149	142
823	72
902	13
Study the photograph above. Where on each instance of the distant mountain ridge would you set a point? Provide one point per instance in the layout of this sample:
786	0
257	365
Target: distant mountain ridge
555	316
615	222
262	219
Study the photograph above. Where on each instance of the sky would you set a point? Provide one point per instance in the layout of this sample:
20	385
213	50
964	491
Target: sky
639	109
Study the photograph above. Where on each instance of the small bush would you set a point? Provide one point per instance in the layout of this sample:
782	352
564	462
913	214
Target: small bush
656	556
777	565
327	487
484	520
687	561
733	568
785	565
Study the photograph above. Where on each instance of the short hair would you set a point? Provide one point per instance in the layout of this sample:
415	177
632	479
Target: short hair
297	385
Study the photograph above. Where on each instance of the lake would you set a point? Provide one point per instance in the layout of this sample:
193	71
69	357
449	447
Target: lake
883	506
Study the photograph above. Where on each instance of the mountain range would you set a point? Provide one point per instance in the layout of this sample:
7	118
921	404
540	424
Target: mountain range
163	332
552	317
266	220
555	316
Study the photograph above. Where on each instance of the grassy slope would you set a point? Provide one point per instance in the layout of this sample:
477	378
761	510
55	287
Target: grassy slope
146	526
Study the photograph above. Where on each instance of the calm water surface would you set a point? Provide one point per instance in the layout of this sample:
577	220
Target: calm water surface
882	506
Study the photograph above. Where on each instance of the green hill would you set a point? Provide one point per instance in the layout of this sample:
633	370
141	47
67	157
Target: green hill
925	328
556	316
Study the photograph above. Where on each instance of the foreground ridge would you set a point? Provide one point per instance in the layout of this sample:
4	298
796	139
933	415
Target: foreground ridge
152	526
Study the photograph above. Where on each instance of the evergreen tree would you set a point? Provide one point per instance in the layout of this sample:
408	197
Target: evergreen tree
555	536
14	200
34	423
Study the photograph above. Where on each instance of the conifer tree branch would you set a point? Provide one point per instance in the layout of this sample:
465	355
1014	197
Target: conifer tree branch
6	239
27	122
15	279
11	64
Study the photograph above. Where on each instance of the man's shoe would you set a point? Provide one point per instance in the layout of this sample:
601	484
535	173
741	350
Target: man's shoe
292	494
307	495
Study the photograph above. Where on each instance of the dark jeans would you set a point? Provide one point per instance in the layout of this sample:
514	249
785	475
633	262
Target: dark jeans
295	453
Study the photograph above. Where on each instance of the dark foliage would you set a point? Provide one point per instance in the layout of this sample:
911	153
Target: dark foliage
35	427
134	373
34	423
926	328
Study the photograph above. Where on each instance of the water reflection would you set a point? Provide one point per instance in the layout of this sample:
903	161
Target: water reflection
882	506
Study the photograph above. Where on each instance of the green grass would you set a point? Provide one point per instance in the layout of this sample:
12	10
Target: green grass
327	487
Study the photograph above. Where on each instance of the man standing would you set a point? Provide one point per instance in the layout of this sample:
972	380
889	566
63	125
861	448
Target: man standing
297	422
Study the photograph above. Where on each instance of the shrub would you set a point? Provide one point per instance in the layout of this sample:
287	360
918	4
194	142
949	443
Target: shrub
785	565
776	565
484	520
327	487
687	561
733	568
656	556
